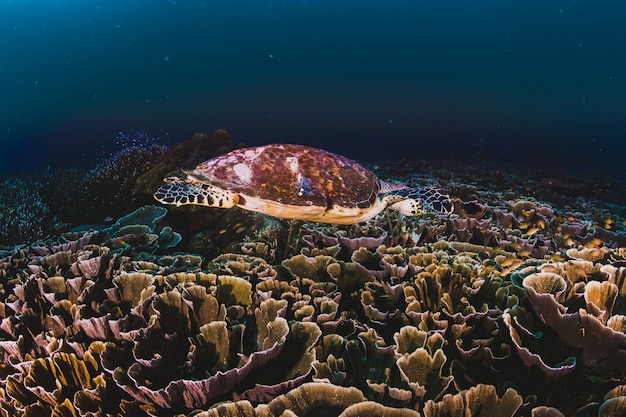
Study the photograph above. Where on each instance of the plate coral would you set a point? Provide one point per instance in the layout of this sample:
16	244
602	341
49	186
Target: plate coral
513	305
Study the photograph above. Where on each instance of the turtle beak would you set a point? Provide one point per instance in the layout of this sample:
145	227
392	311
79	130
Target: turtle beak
408	207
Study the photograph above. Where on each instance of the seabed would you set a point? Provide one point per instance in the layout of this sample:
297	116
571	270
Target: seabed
514	305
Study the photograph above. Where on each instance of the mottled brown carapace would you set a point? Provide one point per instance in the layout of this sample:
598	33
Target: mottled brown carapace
293	175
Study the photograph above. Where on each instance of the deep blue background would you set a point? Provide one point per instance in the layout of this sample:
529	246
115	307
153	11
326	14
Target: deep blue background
535	81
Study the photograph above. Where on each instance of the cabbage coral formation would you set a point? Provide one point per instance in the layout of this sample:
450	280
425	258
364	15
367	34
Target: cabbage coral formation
510	308
24	215
43	204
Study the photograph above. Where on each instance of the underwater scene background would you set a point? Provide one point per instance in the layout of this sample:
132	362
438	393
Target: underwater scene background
512	304
539	82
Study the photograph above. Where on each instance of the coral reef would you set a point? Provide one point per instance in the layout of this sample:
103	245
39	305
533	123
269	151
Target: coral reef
43	204
109	185
39	205
105	191
24	215
185	155
510	306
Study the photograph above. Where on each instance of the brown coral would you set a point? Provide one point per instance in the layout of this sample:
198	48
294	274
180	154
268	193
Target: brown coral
479	401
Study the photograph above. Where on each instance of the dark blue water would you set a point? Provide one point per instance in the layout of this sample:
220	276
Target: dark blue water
540	82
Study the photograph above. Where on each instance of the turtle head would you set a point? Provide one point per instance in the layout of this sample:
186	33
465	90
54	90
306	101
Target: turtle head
408	207
416	201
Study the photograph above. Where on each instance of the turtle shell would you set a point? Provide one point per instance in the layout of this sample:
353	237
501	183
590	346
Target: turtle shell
296	178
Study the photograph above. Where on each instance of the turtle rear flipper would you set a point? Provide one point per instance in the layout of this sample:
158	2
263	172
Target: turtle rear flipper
180	193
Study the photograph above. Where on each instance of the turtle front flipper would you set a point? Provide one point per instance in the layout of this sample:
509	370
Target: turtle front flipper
179	192
415	201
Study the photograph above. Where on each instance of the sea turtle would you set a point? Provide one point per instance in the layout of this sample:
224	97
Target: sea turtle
296	182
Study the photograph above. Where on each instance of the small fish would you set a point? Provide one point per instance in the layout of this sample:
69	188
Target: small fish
597	253
507	262
532	231
516	263
593	243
